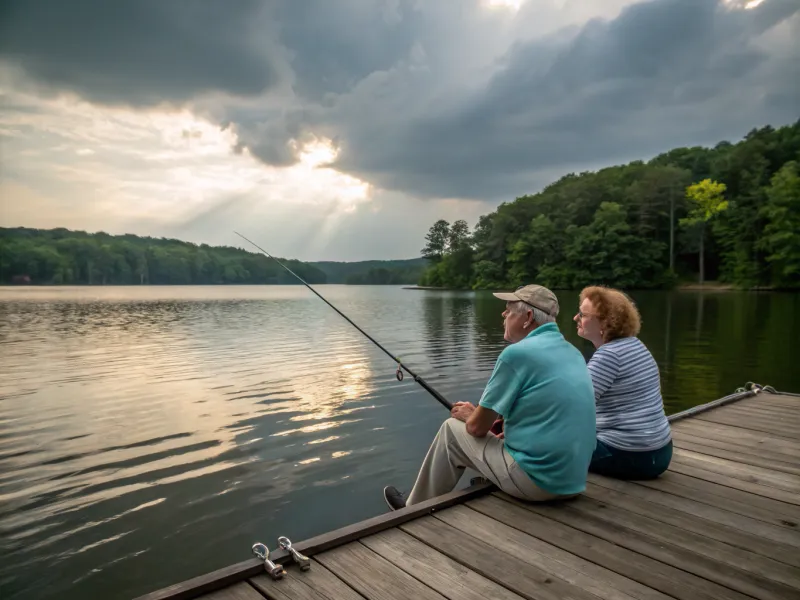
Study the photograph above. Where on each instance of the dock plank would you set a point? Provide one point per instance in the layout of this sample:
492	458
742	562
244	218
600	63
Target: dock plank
744	503
680	437
786	416
722	523
700	471
652	573
237	591
637	535
513	573
448	577
766	578
768	399
372	576
598	580
791	415
755	439
743	458
781	401
318	583
761	475
746	424
715	514
730	535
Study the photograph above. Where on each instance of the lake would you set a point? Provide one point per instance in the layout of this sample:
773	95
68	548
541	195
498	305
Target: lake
152	434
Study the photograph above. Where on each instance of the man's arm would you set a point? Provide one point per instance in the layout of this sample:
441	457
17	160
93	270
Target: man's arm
479	419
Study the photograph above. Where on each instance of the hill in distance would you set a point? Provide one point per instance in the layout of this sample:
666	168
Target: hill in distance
62	256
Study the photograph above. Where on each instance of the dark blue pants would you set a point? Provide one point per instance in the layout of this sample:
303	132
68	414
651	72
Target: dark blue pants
624	464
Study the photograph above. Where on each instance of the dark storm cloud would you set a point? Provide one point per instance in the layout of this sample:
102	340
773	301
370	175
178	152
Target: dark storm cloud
140	52
664	73
435	99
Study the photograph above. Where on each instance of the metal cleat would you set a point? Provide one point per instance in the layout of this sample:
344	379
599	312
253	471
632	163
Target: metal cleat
262	552
303	561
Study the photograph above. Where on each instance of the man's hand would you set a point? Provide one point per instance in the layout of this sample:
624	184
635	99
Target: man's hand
478	419
462	411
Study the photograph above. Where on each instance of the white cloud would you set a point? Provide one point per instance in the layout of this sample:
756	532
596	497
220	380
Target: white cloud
70	163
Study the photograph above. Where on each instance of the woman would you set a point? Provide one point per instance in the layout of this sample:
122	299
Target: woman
633	435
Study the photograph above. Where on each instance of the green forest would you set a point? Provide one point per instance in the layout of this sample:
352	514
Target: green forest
374	272
61	256
729	214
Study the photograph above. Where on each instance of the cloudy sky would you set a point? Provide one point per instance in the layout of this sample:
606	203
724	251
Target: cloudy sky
343	129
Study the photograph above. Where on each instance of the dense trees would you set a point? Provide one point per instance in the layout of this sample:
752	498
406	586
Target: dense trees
450	251
730	213
374	272
61	256
707	201
386	276
781	239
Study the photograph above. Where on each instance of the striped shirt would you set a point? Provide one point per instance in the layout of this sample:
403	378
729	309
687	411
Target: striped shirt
627	393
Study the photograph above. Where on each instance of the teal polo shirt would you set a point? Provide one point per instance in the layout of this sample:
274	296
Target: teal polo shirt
542	388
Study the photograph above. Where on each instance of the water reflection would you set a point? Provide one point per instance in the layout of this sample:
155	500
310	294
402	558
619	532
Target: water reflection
148	435
448	324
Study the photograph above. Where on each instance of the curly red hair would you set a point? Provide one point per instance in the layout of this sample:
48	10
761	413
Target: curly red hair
616	312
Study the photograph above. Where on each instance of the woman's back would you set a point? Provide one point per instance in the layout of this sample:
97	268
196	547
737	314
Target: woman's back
627	388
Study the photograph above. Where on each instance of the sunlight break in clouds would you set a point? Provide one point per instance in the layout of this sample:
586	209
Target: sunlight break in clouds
744	4
64	158
509	4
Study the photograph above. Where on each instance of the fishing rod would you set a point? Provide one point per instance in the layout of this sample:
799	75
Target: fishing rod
444	401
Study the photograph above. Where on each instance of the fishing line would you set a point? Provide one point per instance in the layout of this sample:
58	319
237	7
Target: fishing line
400	366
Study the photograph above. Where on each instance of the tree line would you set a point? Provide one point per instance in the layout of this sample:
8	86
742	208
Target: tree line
730	213
61	256
374	272
386	276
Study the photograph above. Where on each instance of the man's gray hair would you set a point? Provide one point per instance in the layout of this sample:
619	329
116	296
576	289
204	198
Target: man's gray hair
539	316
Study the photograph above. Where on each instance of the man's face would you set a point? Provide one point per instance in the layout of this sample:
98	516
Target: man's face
514	322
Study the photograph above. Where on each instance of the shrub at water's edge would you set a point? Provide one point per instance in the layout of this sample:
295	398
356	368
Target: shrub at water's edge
729	214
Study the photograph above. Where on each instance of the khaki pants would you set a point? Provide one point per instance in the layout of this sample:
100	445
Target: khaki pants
453	450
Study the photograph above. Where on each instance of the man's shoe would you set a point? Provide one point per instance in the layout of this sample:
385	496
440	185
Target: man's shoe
394	498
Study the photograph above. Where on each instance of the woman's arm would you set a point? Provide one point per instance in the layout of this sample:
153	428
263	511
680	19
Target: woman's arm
604	369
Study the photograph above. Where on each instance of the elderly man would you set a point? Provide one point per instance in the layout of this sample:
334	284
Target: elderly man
542	389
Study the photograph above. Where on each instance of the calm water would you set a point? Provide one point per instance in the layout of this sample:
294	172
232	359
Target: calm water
149	435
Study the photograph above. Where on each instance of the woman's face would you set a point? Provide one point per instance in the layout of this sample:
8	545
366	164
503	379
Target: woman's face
589	326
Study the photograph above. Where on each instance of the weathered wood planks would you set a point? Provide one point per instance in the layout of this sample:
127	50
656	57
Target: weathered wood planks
722	523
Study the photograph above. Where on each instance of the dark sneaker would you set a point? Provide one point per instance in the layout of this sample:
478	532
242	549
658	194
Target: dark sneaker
394	498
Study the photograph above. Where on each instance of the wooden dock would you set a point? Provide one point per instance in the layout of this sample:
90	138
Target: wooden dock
722	524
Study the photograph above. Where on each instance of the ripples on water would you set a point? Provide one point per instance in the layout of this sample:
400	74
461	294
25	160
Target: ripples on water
149	435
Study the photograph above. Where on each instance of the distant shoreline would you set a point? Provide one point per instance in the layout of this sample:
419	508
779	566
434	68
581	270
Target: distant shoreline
708	287
711	286
684	287
177	285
